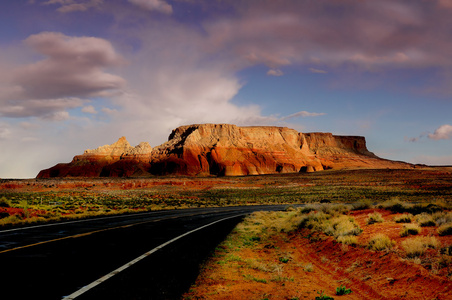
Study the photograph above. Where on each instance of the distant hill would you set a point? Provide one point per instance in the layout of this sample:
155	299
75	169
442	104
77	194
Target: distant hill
225	150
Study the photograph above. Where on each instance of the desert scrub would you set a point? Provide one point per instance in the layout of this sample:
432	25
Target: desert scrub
313	220
425	220
380	242
404	218
410	229
442	218
348	240
415	247
395	205
341	226
445	229
343	290
362	205
374	218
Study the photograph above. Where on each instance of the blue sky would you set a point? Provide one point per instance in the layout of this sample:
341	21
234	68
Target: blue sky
77	74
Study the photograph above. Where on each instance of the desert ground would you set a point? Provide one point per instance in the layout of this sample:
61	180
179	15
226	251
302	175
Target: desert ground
302	253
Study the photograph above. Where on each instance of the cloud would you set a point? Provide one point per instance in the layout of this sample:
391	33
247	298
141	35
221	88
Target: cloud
67	6
318	71
89	109
273	72
444	132
302	114
73	68
50	109
154	5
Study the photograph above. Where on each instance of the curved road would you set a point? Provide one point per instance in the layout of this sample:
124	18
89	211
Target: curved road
153	255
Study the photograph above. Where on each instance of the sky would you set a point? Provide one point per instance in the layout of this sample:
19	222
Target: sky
79	74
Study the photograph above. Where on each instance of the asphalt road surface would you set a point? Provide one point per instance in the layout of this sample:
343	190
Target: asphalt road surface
153	255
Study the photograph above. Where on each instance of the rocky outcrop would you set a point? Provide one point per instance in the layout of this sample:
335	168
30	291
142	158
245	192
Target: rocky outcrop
225	150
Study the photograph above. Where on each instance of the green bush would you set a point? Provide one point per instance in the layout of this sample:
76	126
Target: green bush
342	290
322	296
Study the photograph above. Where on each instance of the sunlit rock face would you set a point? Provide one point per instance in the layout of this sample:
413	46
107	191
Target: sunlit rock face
225	150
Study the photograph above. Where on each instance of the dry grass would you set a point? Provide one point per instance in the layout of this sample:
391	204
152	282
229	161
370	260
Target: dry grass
348	240
425	220
445	229
415	247
374	218
410	229
404	218
380	242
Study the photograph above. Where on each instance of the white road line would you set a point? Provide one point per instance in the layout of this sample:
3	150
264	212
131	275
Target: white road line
113	273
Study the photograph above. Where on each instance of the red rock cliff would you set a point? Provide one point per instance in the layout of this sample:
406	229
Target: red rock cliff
225	150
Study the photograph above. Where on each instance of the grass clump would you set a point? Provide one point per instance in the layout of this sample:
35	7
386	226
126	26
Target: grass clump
395	205
4	202
341	226
348	240
415	247
425	220
404	218
322	296
445	229
342	290
410	229
374	218
362	205
380	242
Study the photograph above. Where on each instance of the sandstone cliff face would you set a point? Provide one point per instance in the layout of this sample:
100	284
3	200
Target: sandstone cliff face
225	150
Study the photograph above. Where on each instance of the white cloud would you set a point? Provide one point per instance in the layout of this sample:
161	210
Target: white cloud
318	71
444	132
275	72
154	5
67	6
302	114
89	109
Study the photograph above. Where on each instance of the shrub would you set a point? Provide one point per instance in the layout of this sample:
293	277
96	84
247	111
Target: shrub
342	290
380	242
415	247
395	205
374	218
425	220
445	229
4	202
442	218
405	218
308	267
322	296
410	229
348	240
340	226
361	205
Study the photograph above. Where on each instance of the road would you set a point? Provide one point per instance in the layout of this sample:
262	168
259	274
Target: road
64	260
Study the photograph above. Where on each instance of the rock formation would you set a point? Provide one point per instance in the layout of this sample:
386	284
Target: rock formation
225	150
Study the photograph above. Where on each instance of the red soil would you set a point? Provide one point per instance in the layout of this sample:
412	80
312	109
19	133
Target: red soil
370	274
